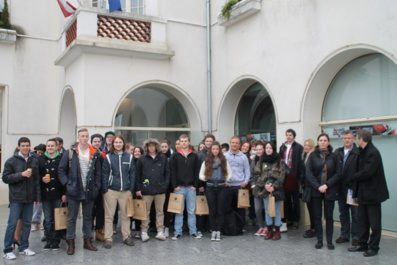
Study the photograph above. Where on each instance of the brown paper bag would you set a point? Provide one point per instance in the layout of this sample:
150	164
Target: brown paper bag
282	209
175	204
130	206
271	206
61	217
139	210
201	205
243	199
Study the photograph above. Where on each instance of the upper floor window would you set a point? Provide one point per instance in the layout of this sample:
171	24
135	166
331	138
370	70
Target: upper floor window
132	6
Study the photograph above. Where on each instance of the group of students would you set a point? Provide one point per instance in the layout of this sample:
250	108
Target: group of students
102	175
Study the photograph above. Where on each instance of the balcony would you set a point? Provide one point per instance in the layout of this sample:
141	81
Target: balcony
96	31
240	11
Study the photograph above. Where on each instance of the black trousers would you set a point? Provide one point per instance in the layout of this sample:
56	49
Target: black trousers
311	214
216	204
98	213
318	203
231	201
370	217
292	211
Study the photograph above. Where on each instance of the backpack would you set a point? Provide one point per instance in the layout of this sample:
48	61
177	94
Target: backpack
233	224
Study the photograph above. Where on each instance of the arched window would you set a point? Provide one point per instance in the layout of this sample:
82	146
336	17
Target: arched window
151	112
255	116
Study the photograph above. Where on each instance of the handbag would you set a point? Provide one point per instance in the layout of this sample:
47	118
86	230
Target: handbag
61	217
139	210
271	206
243	199
175	204
130	206
290	183
201	205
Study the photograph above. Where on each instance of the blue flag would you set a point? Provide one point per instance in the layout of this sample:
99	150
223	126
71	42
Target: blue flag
114	5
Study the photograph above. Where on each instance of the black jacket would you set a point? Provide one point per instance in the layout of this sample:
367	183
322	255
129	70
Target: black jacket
21	189
314	173
370	177
52	190
152	174
185	170
297	162
348	170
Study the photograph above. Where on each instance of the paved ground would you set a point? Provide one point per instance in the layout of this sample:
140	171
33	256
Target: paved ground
246	249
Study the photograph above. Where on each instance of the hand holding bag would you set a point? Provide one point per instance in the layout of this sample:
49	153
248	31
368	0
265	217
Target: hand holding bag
61	217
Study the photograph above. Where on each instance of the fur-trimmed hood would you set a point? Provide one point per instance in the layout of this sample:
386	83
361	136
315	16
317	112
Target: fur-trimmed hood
151	141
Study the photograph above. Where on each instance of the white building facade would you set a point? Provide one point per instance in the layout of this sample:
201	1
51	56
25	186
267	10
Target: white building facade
161	68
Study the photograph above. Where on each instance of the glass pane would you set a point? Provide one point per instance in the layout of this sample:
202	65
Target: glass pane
255	113
366	87
151	107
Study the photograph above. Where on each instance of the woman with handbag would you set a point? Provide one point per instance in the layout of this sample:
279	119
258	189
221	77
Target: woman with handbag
215	170
322	177
269	184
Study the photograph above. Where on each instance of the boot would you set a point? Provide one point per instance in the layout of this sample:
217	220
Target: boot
269	232
88	245
71	246
276	235
99	235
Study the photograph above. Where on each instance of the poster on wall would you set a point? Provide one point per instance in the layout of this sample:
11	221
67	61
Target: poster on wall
375	129
259	137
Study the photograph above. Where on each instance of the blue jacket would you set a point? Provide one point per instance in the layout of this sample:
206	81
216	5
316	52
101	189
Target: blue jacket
70	175
118	172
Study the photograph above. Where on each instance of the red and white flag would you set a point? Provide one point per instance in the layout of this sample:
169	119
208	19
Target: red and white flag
66	7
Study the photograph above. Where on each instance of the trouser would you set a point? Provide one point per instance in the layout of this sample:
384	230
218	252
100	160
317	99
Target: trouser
309	206
259	207
251	209
74	206
370	217
159	200
53	236
216	202
189	197
277	219
16	211
111	199
345	211
292	206
98	213
329	219
232	200
167	215
37	212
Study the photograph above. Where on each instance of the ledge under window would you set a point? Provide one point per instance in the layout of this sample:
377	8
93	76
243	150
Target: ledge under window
240	11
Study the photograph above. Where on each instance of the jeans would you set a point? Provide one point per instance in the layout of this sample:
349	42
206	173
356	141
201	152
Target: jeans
37	212
329	219
72	217
231	201
277	219
16	211
259	211
53	236
344	215
216	202
189	197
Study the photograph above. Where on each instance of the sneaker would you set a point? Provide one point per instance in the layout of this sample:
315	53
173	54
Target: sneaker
55	247
145	237
108	244
137	234
283	228
47	247
309	233
160	236
27	252
199	234
218	236
9	256
195	235
176	237
40	226
166	232
259	232
33	227
265	231
213	236
128	241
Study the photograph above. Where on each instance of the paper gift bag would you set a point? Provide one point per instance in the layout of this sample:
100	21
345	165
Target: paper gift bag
175	204
61	217
139	210
243	199
271	206
130	206
282	209
201	205
350	200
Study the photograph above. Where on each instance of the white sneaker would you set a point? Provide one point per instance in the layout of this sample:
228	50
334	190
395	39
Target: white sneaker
213	236
40	227
9	255
218	236
166	232
33	227
160	236
145	237
199	234
283	228
27	252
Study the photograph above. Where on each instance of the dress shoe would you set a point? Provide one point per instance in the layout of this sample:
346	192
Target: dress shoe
357	248
342	240
354	242
370	253
319	245
330	246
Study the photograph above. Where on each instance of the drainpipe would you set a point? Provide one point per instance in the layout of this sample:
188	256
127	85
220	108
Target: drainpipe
209	78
